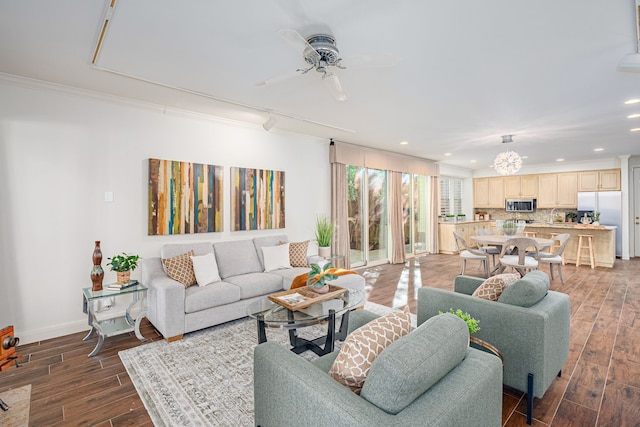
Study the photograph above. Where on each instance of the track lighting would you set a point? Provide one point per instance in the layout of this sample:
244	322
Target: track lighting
270	123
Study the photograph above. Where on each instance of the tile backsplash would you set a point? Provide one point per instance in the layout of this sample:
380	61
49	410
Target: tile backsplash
540	215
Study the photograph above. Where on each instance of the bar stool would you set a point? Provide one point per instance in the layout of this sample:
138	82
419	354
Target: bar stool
556	245
589	246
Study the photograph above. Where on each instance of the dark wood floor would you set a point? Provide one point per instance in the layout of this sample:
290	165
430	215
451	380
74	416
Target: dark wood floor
600	384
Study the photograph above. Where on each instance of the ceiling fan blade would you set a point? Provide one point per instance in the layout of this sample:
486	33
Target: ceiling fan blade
332	82
371	61
298	42
278	79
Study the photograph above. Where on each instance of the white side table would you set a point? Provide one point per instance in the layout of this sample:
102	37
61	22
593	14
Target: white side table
107	324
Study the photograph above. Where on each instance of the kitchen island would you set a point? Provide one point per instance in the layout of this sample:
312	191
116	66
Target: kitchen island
604	240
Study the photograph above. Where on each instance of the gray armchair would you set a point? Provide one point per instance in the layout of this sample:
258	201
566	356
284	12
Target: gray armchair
534	338
429	377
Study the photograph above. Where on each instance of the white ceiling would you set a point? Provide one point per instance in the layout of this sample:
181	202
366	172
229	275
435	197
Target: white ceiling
467	71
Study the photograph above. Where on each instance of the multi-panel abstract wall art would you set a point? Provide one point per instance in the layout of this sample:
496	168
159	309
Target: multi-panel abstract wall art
257	199
184	197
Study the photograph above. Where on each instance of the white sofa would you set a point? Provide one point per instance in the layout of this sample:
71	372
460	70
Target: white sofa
175	310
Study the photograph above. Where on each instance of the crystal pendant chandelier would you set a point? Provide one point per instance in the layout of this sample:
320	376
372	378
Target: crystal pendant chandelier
509	162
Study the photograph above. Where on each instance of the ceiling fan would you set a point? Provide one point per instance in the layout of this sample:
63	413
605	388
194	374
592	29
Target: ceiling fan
321	54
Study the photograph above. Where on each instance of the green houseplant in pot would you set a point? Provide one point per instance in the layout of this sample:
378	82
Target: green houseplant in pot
474	326
123	264
324	233
318	277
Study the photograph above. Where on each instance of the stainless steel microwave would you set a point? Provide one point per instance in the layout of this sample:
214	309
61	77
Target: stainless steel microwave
520	205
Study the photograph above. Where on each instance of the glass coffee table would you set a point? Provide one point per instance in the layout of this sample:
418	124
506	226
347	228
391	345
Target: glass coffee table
268	314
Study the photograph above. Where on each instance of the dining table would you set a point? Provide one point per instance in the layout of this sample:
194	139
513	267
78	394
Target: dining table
499	240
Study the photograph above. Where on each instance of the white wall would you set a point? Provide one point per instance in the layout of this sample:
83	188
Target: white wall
62	149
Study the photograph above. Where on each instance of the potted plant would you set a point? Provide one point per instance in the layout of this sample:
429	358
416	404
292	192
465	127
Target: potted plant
461	218
472	323
318	277
596	218
123	264
474	326
571	216
324	234
450	217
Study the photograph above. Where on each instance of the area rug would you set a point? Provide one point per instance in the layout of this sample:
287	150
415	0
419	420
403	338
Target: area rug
205	379
19	401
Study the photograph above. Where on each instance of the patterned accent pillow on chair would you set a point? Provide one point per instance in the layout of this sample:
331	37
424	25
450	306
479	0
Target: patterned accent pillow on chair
180	268
364	344
493	287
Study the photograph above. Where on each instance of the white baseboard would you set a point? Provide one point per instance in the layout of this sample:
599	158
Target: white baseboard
35	335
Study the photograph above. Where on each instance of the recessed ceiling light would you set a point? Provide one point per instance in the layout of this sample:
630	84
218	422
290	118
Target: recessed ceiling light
447	154
633	116
524	157
635	129
632	101
473	161
559	160
404	143
598	149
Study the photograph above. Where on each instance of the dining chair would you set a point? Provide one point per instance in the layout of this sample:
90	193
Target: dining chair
469	253
514	255
490	249
555	257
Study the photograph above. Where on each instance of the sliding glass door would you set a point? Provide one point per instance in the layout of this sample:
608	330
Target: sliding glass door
368	215
378	216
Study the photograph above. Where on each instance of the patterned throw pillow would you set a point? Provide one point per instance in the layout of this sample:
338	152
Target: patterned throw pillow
364	344
180	268
492	288
298	254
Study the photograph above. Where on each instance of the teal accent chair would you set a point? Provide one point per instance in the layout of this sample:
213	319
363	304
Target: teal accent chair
429	377
529	325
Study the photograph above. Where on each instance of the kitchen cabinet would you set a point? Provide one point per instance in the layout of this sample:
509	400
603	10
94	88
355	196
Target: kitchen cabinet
521	187
488	192
558	190
599	180
446	239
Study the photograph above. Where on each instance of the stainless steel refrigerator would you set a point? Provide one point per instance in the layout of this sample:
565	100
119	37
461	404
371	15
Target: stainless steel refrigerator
609	204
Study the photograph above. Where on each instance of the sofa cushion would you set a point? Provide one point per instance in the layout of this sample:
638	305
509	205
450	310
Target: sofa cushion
288	274
202	298
174	249
493	287
298	254
364	345
259	242
180	268
205	269
256	284
236	257
275	257
526	291
414	363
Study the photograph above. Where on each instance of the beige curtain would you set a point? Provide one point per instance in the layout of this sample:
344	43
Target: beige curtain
432	225
396	224
340	245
